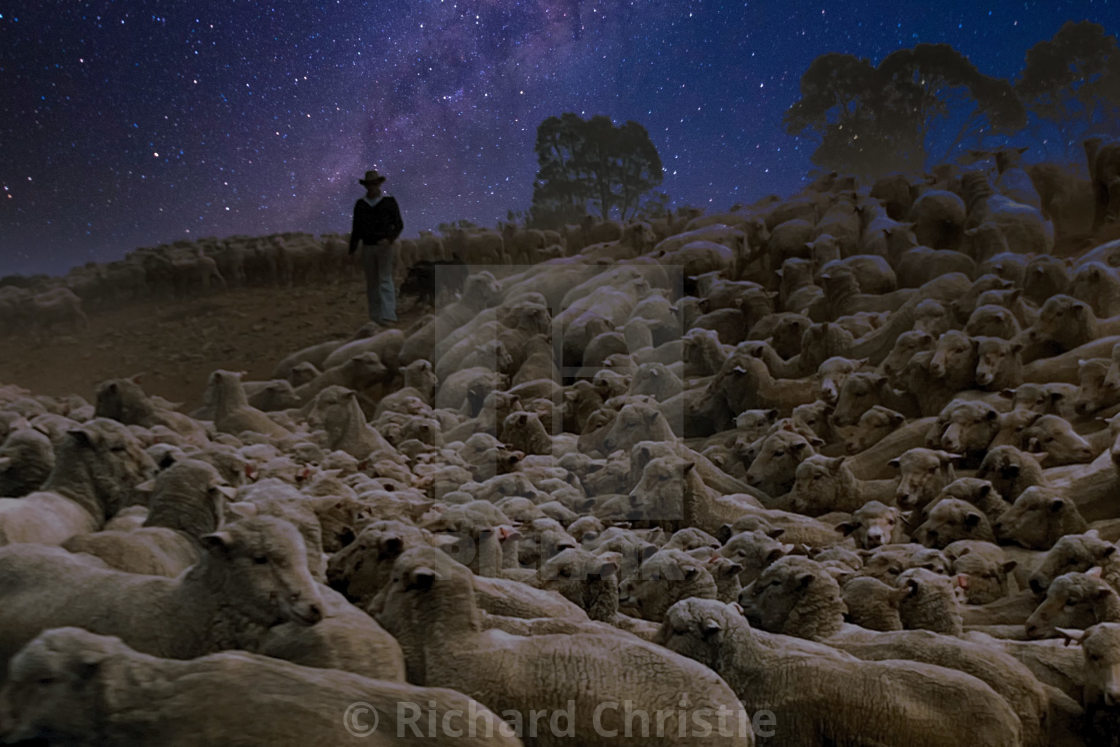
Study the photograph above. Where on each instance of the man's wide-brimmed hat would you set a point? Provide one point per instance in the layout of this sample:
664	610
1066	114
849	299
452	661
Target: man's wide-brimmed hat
372	177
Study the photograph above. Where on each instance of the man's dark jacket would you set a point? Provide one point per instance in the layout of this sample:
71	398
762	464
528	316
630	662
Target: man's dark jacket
373	224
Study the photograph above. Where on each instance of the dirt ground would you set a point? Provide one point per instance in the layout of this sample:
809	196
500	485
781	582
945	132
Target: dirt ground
176	344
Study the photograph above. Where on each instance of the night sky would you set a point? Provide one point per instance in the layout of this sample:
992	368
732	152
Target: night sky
129	124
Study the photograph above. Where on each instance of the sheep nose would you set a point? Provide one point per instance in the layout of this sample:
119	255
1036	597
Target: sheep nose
1111	697
1037	587
314	613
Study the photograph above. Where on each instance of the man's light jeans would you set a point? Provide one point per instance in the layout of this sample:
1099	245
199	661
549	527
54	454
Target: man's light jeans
378	261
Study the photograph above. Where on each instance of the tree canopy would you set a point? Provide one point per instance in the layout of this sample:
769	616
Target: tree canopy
1072	83
871	120
591	164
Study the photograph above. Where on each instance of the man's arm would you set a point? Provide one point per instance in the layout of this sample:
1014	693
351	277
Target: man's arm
354	230
396	224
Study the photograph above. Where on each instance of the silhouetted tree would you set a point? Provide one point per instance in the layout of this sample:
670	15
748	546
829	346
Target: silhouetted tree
1072	82
591	163
870	120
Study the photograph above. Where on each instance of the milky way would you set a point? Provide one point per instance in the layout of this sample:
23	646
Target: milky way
129	124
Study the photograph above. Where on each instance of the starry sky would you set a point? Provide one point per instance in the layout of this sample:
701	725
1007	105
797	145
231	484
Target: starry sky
130	123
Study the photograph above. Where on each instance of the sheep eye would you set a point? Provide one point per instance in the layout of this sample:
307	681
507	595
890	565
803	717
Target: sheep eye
779	453
894	571
260	559
1094	657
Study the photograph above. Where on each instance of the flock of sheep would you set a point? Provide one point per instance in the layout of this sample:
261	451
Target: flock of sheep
840	469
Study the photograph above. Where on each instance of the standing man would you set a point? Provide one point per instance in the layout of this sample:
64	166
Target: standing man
377	224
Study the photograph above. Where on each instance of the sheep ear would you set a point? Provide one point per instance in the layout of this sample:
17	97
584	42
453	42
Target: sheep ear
217	542
391	547
243	509
1094	572
1071	635
228	491
710	627
610	562
145	487
897	595
421	578
847	527
972	519
81	435
691	573
1057	505
805	579
895	463
1009	566
775	533
730	568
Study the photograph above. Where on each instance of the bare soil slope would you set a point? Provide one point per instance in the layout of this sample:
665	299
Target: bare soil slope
175	344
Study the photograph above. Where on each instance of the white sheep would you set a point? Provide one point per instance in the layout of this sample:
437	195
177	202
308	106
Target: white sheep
817	693
429	605
72	685
245	584
97	467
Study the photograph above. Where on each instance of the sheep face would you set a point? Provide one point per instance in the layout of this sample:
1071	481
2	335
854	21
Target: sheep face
908	343
954	357
662	580
874	524
585	579
1074	600
789	592
1101	647
111	456
50	693
997	362
965	428
773	470
983	579
951	520
820	486
360	569
263	563
695	628
1038	518
1010	471
1073	553
858	394
1054	435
